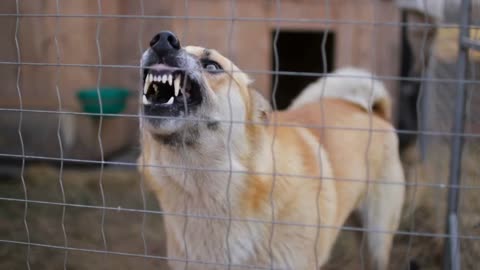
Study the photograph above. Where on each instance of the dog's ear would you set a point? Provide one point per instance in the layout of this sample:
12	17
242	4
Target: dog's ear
261	106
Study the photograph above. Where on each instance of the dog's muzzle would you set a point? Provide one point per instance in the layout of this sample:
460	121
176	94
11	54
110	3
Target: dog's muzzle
169	85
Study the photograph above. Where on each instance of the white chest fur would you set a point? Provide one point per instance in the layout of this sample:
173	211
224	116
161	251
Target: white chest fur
200	196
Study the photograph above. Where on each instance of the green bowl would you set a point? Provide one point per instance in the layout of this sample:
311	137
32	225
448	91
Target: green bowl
113	100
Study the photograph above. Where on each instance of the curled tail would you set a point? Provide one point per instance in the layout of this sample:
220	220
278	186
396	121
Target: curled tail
351	84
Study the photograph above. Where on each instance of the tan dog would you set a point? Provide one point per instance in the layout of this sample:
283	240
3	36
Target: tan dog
225	168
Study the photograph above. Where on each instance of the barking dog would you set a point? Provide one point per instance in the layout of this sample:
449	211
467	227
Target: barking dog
244	187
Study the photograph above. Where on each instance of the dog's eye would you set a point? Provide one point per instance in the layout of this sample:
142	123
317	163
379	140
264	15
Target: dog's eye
211	66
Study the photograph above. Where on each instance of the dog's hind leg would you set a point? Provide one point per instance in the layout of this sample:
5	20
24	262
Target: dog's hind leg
382	206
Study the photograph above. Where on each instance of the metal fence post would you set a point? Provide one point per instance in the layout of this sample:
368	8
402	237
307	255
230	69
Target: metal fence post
452	249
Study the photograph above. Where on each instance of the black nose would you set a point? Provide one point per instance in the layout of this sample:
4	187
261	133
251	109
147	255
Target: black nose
165	43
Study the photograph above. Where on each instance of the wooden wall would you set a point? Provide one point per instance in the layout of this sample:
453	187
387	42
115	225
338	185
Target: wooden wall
375	47
121	40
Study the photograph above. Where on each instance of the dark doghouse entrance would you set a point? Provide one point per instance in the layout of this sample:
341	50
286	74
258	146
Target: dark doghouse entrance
300	51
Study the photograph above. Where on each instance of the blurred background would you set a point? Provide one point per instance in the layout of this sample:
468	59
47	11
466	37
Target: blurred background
68	173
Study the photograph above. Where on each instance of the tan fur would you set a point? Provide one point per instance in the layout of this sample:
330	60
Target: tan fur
271	164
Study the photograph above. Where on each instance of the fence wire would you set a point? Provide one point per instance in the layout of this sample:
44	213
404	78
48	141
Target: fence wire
452	239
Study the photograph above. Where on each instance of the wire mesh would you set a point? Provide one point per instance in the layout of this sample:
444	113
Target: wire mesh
141	21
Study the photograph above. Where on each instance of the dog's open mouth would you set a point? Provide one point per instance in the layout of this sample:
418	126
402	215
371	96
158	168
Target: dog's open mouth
168	89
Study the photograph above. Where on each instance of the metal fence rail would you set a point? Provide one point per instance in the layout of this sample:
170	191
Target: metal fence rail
451	237
452	255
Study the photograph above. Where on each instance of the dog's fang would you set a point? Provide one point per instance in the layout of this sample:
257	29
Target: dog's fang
164	79
145	88
176	85
170	101
170	79
155	87
145	100
148	81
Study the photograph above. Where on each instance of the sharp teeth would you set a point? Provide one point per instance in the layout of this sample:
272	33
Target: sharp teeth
170	101
176	85
145	87
148	80
164	79
145	100
158	78
155	87
169	79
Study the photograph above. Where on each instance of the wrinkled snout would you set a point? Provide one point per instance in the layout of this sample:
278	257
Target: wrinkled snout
170	86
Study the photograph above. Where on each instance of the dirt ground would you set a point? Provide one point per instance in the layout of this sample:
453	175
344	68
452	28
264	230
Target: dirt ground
123	228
